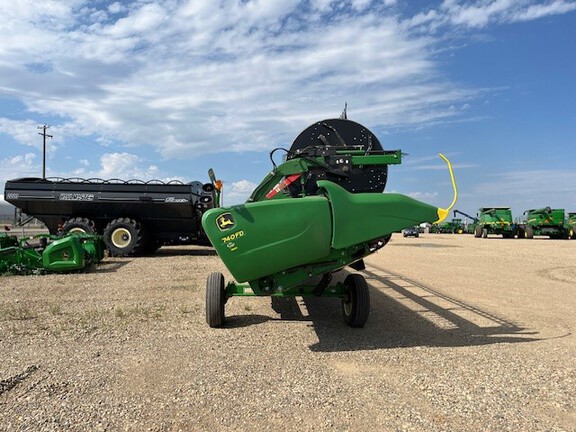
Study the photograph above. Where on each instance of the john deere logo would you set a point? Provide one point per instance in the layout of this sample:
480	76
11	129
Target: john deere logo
225	221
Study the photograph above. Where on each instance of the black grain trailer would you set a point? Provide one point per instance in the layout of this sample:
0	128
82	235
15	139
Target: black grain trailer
135	217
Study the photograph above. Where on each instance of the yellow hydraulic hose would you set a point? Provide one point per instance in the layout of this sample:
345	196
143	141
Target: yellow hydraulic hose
443	213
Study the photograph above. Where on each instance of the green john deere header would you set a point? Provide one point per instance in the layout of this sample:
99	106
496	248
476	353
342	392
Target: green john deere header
319	211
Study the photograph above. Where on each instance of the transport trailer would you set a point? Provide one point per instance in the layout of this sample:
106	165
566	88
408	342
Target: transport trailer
134	217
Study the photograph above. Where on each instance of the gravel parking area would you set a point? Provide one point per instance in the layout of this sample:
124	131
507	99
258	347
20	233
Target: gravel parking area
465	334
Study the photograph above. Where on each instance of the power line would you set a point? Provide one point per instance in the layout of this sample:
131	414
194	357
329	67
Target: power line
44	135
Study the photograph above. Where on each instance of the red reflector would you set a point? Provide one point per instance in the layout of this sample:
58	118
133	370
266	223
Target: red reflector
282	185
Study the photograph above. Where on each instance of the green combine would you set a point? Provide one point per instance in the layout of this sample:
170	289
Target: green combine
495	220
545	222
319	211
571	224
45	253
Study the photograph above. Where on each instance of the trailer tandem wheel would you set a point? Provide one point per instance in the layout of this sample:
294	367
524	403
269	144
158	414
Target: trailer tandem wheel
79	225
215	300
123	237
356	306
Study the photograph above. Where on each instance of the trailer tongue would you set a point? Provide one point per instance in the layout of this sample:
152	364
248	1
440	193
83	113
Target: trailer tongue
319	211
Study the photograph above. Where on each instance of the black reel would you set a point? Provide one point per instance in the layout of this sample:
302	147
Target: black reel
323	139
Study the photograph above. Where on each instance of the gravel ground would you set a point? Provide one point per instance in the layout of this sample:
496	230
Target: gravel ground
464	334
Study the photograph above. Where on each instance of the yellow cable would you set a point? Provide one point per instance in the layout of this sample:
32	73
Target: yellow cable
443	213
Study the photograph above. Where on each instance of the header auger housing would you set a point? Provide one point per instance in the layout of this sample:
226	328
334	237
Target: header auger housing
319	211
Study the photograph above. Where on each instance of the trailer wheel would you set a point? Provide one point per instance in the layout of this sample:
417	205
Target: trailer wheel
123	237
356	305
215	300
79	225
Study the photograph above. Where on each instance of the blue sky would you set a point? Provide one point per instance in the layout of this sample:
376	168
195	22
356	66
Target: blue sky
167	89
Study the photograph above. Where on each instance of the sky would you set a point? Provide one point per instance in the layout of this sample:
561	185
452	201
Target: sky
167	89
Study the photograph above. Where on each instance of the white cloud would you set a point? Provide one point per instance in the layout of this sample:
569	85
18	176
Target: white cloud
481	13
538	10
423	196
238	192
125	166
145	19
522	190
194	77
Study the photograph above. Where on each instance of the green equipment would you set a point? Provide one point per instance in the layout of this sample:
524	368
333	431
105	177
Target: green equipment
49	253
495	220
454	226
469	228
319	211
571	224
545	222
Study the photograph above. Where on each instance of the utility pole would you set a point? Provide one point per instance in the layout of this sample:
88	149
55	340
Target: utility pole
44	135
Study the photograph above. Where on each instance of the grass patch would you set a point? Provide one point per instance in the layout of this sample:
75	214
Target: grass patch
55	309
18	313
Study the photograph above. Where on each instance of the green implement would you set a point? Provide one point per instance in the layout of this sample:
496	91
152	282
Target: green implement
319	211
545	221
46	253
495	220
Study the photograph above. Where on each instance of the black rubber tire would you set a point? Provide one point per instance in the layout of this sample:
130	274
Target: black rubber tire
356	306
484	232
520	233
124	237
79	224
215	300
529	232
478	232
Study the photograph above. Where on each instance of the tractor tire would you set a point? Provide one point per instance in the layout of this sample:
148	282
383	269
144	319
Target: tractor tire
79	225
484	232
520	233
478	232
124	237
529	232
572	233
356	306
215	300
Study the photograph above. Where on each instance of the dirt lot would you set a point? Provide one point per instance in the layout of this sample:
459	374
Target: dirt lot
464	334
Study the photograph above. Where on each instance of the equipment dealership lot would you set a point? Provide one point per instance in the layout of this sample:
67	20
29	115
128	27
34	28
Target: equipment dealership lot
464	334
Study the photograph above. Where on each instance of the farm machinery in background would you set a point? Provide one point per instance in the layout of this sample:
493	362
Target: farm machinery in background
571	224
134	217
454	226
547	222
495	220
45	253
469	227
320	210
